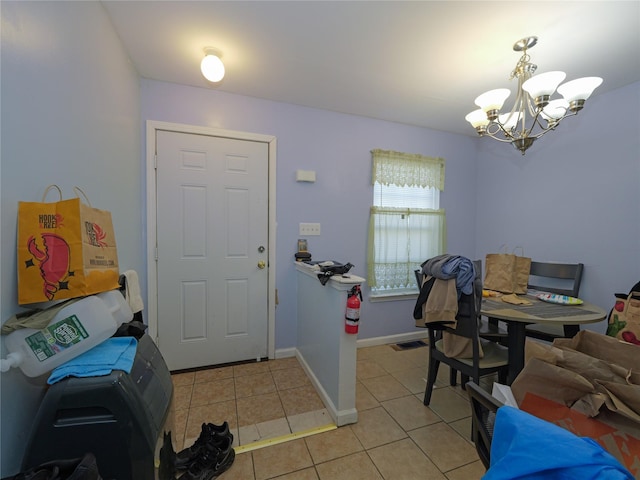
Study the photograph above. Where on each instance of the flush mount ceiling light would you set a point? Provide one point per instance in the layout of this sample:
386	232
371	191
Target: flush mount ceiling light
533	100
211	66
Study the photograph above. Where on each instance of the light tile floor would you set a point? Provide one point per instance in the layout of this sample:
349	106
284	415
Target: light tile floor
260	401
396	436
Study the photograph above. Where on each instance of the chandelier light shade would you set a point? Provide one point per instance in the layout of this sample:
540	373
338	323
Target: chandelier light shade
579	90
542	86
492	101
211	66
534	113
478	119
555	110
509	120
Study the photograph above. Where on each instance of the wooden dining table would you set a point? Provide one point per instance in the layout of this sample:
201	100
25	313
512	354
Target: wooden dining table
517	317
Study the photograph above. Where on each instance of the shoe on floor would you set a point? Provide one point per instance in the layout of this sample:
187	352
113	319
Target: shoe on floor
38	473
210	433
167	467
212	461
84	468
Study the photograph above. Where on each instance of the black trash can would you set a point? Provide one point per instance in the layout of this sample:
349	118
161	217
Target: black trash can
119	417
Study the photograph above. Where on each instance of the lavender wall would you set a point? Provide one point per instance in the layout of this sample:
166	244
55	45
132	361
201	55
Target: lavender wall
574	197
70	116
337	147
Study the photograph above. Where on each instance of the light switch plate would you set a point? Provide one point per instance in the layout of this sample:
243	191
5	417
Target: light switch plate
309	229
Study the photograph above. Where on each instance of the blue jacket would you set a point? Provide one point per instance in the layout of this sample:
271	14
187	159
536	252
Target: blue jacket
448	266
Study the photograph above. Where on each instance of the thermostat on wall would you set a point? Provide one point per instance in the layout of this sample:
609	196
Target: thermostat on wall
305	176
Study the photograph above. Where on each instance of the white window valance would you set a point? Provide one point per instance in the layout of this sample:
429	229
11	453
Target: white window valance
407	169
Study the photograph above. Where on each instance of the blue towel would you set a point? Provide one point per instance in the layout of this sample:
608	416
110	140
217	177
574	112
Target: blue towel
115	353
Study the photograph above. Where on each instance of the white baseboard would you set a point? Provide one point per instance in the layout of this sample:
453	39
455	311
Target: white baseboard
365	342
285	352
398	338
340	417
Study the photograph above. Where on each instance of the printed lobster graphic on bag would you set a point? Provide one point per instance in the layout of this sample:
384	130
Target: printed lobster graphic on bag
53	262
95	234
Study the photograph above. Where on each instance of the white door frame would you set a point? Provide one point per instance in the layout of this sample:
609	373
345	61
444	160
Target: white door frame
152	278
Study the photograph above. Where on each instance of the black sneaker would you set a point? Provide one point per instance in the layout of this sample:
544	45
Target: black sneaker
167	467
210	433
211	462
84	468
38	473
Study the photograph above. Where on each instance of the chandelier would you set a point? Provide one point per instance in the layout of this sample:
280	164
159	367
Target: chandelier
533	106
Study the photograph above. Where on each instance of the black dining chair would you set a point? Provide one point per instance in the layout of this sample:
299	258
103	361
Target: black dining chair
494	357
483	416
560	278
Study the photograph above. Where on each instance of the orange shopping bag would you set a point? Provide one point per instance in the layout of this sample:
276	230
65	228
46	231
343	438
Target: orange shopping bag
66	249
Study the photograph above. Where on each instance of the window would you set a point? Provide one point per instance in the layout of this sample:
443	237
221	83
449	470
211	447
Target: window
406	224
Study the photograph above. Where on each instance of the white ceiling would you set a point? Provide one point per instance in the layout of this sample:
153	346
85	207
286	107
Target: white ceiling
420	63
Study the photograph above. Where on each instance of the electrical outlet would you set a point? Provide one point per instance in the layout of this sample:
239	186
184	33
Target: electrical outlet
309	229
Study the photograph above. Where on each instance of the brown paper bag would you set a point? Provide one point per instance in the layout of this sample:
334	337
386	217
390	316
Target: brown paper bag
584	373
551	382
603	347
66	249
506	273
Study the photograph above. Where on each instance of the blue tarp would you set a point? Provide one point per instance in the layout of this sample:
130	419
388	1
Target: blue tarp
525	447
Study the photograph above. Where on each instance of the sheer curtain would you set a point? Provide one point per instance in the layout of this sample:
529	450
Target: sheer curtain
401	235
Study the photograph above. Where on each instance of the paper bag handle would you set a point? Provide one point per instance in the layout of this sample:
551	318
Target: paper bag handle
78	189
44	195
504	248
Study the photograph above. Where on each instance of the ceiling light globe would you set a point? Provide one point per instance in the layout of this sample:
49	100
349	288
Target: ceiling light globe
509	120
579	89
555	109
212	68
477	118
493	99
543	84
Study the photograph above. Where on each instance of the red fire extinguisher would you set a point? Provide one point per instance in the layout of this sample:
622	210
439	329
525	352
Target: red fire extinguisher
352	315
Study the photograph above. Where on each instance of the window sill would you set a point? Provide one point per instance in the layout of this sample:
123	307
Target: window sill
392	297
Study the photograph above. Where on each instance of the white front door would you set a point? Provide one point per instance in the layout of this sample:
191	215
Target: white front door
212	221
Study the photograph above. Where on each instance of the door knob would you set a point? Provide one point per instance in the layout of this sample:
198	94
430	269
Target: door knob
261	264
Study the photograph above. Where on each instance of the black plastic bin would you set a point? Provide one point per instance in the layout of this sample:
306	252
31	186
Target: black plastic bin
119	417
